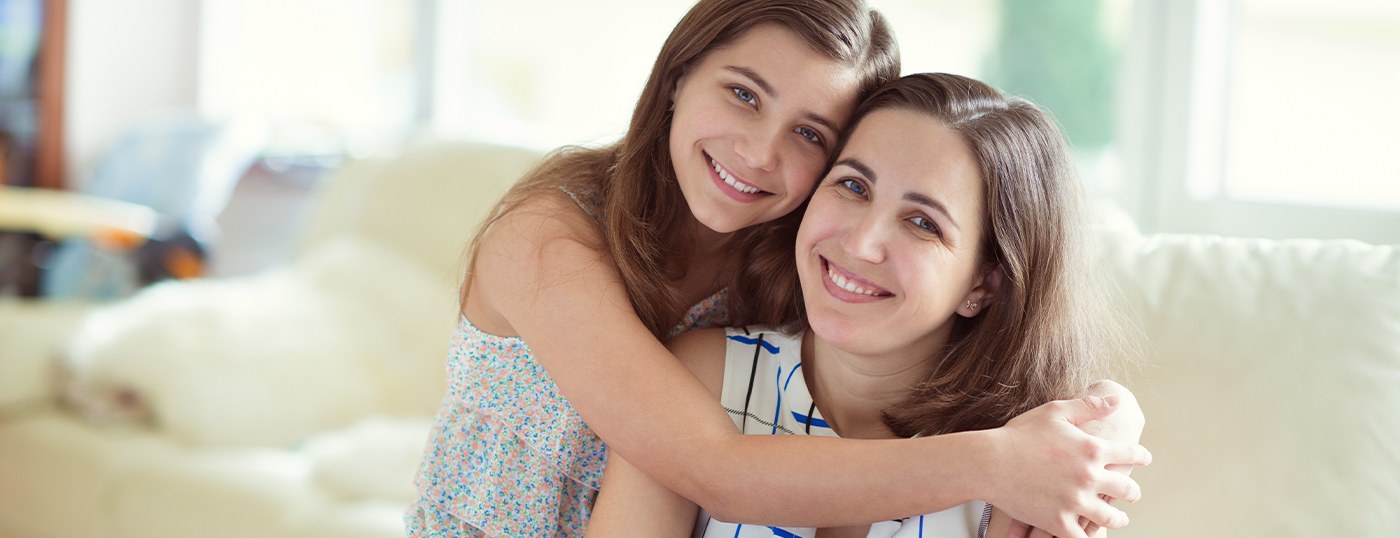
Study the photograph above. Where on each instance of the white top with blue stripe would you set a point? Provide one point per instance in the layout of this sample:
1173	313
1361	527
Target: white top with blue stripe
765	393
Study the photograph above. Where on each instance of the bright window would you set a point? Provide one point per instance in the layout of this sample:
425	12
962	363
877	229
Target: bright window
1265	118
1312	112
329	75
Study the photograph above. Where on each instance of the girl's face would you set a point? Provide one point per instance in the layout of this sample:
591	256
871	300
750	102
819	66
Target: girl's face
888	251
753	124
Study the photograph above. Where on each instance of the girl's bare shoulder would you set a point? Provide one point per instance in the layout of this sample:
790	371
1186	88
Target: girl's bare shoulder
545	214
544	250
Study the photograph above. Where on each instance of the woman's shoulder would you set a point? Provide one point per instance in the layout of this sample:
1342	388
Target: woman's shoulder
705	351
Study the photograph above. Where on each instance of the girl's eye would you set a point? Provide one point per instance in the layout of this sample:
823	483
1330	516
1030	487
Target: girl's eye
856	187
745	96
810	135
926	224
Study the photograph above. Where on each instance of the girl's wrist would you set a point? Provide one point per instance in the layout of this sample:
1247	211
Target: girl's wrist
974	458
984	463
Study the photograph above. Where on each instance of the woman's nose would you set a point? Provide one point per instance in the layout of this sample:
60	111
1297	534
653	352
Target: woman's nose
864	240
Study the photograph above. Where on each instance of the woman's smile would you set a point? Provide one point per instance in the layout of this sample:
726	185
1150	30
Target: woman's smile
848	286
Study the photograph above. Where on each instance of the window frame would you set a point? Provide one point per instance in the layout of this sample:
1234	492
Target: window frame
1178	59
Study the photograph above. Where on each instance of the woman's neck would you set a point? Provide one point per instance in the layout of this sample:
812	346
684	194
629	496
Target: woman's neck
853	391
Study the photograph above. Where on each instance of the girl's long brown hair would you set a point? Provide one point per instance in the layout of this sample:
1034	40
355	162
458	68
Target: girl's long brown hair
644	212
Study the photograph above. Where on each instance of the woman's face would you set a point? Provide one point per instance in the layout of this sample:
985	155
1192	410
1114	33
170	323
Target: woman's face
888	250
753	125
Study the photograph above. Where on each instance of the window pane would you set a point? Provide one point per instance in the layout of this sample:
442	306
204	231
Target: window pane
1312	110
331	75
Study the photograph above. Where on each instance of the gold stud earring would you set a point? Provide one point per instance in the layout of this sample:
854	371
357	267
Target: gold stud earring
971	305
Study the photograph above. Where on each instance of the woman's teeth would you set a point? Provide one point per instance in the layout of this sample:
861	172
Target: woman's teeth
738	185
843	283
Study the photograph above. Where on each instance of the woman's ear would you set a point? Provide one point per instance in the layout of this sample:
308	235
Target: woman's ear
981	296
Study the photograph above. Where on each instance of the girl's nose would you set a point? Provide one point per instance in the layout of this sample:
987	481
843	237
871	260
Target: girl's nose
759	149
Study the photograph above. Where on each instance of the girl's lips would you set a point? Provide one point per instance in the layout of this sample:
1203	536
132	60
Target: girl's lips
848	287
734	188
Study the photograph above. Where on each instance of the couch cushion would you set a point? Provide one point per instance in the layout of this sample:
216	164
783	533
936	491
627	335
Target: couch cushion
426	202
1271	387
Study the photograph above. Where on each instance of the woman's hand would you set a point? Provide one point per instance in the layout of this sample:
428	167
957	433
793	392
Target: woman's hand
1057	477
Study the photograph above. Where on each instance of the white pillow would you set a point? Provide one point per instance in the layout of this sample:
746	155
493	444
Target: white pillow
350	330
1272	385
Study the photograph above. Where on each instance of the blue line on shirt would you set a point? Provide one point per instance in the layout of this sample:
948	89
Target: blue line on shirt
782	533
778	407
789	379
816	422
770	348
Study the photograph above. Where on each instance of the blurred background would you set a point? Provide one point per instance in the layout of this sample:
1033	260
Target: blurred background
1260	118
325	159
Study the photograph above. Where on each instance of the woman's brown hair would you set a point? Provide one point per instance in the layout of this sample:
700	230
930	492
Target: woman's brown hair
1045	334
643	211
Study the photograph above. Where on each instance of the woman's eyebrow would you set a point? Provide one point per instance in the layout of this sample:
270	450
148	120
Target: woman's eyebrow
925	200
861	167
768	88
911	196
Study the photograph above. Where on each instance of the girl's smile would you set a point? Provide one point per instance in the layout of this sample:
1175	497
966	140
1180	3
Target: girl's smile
737	189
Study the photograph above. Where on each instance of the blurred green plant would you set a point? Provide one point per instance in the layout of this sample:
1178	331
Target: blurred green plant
1055	53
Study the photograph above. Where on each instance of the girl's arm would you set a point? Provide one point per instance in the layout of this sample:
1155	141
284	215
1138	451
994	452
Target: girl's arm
1125	425
542	273
632	503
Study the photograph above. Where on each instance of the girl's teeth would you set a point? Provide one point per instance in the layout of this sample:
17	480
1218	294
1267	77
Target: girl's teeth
845	284
724	174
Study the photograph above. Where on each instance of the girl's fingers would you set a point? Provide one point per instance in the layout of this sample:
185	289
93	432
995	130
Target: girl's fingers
1119	486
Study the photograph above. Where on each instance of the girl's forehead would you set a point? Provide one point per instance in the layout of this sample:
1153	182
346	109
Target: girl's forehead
791	70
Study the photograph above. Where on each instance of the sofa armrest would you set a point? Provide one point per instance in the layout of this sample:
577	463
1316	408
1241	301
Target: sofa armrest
31	335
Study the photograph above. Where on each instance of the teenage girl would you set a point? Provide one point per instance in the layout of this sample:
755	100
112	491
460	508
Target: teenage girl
599	255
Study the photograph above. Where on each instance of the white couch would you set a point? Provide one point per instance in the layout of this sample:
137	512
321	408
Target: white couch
1271	386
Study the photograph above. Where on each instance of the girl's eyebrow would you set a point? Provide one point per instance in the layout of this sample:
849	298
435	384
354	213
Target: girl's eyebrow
767	88
911	196
757	79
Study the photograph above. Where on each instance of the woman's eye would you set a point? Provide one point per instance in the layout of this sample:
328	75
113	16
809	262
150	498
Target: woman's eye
810	135
745	96
925	224
854	186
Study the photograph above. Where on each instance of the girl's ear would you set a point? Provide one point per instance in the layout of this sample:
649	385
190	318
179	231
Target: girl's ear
981	296
676	85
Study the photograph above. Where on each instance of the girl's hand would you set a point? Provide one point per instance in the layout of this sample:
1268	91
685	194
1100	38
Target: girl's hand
1050	473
